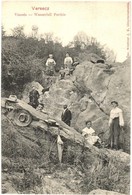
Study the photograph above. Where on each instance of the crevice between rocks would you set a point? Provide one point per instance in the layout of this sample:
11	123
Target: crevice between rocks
88	92
107	88
98	105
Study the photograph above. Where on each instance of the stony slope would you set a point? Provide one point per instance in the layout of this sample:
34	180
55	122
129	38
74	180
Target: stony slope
88	94
30	164
30	160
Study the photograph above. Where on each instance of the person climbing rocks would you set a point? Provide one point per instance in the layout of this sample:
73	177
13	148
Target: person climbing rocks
62	73
89	135
33	97
40	107
66	115
50	65
116	124
67	71
68	63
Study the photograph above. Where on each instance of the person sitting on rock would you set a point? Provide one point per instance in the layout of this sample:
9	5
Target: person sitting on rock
50	64
89	134
62	73
66	116
67	71
41	108
33	97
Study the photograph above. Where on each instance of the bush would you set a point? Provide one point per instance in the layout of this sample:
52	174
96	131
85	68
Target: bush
24	58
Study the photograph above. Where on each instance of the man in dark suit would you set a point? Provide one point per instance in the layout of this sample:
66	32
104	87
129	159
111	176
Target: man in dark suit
33	97
66	116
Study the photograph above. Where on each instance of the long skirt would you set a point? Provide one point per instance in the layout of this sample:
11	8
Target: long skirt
114	133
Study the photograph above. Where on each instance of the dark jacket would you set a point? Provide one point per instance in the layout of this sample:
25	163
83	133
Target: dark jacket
66	116
33	98
34	94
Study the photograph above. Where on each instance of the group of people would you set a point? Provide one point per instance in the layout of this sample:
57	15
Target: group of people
116	122
67	69
116	126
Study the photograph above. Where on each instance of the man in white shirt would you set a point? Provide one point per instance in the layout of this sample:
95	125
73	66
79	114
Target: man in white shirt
116	123
50	64
68	62
89	134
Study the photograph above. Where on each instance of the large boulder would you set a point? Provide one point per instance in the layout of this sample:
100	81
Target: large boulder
105	87
92	57
60	93
37	144
88	94
104	192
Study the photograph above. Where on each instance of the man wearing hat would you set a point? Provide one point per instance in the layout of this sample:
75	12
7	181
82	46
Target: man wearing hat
68	63
66	116
116	123
50	63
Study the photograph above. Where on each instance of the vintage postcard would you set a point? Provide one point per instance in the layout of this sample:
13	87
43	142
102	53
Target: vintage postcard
65	97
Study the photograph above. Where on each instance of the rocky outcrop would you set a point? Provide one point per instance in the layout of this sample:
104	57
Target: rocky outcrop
88	94
41	122
37	143
92	57
104	192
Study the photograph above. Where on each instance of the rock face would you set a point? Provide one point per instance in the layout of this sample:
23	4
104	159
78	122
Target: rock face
36	146
113	84
104	192
88	94
89	57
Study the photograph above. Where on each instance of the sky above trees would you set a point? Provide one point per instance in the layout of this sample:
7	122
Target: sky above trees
106	21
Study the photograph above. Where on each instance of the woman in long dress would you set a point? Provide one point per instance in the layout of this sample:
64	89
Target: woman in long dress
116	122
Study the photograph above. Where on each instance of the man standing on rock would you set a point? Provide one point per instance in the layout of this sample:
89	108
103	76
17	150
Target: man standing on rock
68	62
50	65
33	97
66	116
116	123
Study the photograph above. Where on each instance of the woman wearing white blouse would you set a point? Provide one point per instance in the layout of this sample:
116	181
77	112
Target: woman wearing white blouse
89	134
116	121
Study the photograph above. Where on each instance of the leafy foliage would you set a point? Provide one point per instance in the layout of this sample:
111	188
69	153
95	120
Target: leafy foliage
24	58
82	42
18	32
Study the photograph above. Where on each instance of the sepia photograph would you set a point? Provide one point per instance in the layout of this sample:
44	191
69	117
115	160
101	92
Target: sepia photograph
65	97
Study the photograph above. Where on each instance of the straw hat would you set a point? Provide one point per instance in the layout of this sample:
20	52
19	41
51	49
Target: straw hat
12	98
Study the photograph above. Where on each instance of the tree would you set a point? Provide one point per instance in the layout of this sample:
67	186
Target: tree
110	55
18	32
48	37
81	40
96	48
